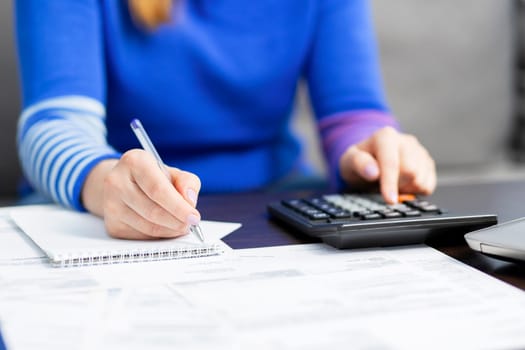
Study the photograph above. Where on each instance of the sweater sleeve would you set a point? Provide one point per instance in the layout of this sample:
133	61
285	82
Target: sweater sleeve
61	131
344	79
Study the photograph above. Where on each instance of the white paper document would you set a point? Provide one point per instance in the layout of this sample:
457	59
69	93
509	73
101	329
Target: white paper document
290	297
15	247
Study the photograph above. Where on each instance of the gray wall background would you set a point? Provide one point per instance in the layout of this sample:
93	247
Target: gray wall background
448	67
449	74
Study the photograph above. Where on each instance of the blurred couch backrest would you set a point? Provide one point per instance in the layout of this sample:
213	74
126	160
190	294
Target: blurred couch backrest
9	105
448	68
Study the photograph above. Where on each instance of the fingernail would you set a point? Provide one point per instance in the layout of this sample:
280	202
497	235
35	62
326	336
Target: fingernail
393	197
371	171
193	219
192	195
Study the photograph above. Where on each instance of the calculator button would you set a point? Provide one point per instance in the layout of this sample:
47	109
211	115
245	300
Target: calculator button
414	203
318	216
423	206
429	208
311	211
316	201
405	197
411	213
304	208
319	203
325	207
392	215
341	214
404	210
400	207
371	216
331	210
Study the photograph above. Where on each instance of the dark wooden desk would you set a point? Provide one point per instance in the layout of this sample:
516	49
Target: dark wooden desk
507	199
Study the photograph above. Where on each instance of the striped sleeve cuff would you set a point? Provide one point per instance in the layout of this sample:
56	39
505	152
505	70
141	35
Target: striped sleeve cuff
59	141
342	130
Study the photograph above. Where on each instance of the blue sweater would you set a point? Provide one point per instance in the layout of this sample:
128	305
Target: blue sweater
214	88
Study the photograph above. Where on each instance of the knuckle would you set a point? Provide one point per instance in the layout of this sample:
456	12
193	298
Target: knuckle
131	158
388	131
155	190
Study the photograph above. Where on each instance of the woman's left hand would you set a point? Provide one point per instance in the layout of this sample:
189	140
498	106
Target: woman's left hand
397	161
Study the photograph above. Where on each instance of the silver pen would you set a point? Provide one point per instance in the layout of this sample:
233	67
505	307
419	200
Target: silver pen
146	143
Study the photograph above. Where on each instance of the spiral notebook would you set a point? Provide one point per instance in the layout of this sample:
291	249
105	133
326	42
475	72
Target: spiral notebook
70	238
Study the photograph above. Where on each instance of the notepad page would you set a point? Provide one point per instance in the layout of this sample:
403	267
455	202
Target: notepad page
64	233
15	246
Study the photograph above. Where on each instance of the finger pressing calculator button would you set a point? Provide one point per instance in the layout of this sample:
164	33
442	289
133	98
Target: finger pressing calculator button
405	197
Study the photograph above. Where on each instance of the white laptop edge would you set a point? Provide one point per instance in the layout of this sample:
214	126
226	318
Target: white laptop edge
486	241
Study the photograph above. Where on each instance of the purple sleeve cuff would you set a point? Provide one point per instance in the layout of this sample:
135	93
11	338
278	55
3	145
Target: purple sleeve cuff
342	130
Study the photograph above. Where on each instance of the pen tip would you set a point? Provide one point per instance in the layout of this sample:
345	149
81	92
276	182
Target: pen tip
135	123
199	232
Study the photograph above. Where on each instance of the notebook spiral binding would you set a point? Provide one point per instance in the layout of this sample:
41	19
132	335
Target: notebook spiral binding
132	256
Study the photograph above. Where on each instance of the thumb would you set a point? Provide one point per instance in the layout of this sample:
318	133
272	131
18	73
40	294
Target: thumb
358	164
187	184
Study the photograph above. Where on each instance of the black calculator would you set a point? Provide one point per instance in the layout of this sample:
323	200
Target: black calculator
365	220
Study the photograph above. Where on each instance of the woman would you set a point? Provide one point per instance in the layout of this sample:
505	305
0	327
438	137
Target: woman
213	82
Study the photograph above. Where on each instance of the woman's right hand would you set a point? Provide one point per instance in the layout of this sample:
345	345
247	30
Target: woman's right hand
138	201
